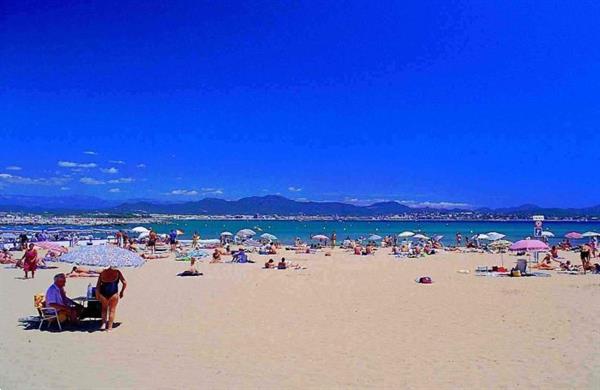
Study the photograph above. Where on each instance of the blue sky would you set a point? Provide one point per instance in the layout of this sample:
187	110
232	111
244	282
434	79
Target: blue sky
479	103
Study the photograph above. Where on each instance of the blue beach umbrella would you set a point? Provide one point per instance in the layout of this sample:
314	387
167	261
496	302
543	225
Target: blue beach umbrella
103	256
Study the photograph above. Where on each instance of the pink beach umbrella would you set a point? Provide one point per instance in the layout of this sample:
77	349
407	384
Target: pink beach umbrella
529	246
51	247
574	236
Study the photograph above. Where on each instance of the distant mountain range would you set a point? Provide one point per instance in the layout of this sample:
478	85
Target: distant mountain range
270	204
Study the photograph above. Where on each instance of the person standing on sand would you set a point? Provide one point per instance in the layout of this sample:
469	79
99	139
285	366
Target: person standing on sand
107	292
195	240
585	257
458	239
333	239
173	240
30	261
152	241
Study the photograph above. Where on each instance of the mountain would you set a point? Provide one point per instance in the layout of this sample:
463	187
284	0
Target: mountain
266	205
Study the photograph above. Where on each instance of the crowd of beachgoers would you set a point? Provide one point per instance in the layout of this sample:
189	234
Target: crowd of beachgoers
243	246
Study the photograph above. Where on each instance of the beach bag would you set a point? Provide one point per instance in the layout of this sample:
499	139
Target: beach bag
425	280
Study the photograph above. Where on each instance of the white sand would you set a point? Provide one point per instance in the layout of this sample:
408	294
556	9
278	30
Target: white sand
346	321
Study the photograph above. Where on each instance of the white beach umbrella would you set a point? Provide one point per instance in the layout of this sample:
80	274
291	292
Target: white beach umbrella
374	237
547	233
320	237
590	234
246	233
421	237
406	234
483	237
143	235
140	229
267	236
226	234
496	236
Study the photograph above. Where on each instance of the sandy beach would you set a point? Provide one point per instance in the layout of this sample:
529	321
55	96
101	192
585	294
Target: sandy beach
344	322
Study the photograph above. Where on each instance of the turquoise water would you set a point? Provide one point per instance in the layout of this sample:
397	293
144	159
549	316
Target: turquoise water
287	231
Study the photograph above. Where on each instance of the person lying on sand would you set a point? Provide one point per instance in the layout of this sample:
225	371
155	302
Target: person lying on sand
150	256
6	257
192	271
82	272
546	264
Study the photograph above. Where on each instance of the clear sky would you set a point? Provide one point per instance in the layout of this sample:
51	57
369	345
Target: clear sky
490	103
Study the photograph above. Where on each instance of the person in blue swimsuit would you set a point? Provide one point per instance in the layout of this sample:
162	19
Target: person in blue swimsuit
107	292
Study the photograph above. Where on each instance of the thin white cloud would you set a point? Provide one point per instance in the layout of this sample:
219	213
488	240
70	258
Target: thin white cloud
114	190
90	152
141	166
122	180
64	188
184	192
71	164
434	205
214	191
13	168
117	162
294	189
46	181
111	170
91	181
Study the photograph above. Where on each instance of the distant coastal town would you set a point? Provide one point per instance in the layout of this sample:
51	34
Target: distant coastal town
103	219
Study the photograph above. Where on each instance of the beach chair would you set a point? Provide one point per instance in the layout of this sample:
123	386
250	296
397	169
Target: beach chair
47	314
522	266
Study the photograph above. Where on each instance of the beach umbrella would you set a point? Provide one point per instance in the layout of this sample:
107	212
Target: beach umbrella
140	229
226	234
103	256
320	237
574	236
51	246
421	237
9	236
143	235
374	237
180	232
483	237
529	246
496	236
246	233
438	238
500	244
406	234
590	234
267	236
547	233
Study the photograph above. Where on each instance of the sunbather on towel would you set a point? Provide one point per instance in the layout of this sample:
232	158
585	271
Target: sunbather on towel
546	264
150	256
6	257
192	271
82	272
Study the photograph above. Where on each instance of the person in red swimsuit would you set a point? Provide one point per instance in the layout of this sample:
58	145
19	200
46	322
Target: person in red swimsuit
30	261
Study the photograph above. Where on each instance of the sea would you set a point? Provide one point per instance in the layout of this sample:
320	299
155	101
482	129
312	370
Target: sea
287	231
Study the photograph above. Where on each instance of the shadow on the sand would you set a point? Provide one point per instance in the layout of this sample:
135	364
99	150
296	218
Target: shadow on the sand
87	326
